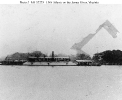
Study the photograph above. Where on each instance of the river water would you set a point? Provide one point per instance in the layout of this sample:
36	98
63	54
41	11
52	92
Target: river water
60	83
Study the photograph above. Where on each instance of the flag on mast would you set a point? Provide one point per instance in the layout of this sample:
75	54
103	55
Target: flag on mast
106	25
99	28
109	27
78	46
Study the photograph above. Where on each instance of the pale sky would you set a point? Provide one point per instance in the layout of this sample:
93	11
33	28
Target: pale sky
47	28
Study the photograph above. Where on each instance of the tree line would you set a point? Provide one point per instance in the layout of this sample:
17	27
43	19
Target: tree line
105	57
109	57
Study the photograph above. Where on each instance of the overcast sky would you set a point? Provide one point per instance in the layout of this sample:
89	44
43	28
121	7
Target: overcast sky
26	28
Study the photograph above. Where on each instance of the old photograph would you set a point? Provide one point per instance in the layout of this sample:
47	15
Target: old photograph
60	51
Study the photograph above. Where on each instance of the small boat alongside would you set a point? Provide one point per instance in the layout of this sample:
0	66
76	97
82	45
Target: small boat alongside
12	62
87	63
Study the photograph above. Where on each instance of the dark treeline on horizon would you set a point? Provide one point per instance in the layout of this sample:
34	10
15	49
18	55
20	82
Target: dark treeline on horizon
105	57
108	57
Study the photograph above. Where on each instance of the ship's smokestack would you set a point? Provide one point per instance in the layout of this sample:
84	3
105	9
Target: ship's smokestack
52	54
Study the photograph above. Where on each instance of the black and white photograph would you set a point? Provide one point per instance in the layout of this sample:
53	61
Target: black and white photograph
60	51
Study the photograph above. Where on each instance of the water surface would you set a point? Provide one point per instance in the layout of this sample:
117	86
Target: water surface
60	83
